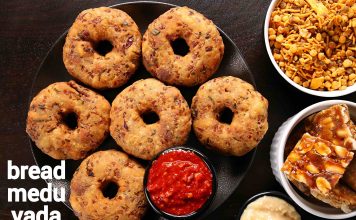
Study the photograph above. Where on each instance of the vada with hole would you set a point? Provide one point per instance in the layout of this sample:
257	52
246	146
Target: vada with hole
66	120
229	115
148	117
102	48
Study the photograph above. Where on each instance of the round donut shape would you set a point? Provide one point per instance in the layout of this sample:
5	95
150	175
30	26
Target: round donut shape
247	124
108	185
206	47
66	120
145	139
102	48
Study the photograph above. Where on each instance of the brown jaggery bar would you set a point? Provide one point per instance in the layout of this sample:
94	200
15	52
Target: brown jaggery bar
333	124
341	196
320	124
350	175
317	163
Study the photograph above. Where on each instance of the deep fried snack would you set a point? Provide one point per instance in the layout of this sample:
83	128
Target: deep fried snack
206	47
67	120
317	163
333	124
249	115
102	48
92	189
149	98
314	50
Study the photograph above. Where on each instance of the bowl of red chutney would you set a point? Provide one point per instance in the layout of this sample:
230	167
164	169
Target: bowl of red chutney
180	183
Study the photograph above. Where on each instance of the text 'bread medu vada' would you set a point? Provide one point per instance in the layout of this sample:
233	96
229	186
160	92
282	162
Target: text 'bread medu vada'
229	115
182	47
102	48
66	120
148	117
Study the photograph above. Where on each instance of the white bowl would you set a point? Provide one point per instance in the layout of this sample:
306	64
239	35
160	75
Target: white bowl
348	90
277	160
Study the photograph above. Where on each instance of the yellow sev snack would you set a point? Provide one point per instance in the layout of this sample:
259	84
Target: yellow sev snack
315	49
317	163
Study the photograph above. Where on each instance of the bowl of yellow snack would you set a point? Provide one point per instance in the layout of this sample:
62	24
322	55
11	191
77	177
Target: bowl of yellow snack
311	43
313	158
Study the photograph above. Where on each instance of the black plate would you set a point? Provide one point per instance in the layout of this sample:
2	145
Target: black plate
230	170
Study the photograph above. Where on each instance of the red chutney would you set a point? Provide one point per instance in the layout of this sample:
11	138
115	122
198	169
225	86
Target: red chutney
179	182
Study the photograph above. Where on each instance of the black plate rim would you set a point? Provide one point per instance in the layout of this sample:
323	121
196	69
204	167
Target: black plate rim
63	35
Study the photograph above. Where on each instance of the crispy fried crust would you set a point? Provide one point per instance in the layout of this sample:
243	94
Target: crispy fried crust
204	41
249	123
146	140
47	129
86	64
86	197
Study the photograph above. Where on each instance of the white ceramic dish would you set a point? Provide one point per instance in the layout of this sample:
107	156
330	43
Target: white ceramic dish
277	160
348	90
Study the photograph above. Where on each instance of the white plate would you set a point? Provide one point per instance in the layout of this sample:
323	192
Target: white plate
277	160
337	93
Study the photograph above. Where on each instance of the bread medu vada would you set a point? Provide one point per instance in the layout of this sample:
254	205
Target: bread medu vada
132	113
229	115
206	47
102	48
108	185
66	120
